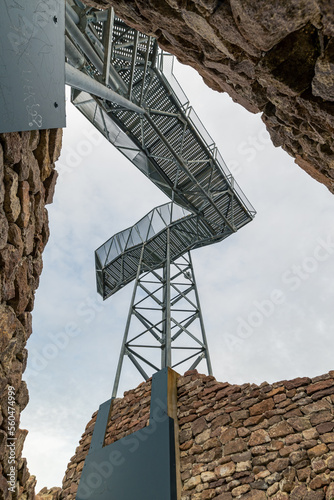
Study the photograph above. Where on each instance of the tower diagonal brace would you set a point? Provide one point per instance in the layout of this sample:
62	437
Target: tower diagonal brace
181	336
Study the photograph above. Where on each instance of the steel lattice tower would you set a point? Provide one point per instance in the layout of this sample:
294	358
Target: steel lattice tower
124	85
166	315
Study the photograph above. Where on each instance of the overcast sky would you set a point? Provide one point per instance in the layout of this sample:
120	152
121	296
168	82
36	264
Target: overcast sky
266	292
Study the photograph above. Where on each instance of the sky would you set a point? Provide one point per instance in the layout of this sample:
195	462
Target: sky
266	292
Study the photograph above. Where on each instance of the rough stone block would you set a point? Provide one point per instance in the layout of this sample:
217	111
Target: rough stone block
236	446
314	495
323	81
299	423
225	470
9	259
192	483
12	144
208	476
23	193
222	20
259	437
3	229
23	291
50	185
310	434
255	495
2	173
280	429
198	426
262	407
264	29
228	434
297	382
278	465
325	427
299	48
319	386
240	490
315	407
317	451
12	205
55	142
42	154
328	437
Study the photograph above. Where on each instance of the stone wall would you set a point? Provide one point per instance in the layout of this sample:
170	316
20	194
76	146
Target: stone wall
274	57
27	182
250	442
257	442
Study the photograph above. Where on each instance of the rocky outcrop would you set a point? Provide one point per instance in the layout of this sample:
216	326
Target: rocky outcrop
249	442
276	58
27	182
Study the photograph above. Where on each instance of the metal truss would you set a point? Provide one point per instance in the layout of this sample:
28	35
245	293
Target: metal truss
165	326
117	260
148	117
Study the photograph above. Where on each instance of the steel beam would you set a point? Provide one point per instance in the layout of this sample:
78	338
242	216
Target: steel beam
80	81
107	42
87	47
123	352
166	346
73	55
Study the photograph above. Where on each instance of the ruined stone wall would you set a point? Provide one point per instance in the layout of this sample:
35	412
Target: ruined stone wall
274	57
27	182
257	442
250	442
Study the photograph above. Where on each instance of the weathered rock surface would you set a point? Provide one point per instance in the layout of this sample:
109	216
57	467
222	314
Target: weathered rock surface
27	178
275	57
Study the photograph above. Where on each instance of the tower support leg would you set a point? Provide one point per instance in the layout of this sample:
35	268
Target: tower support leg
164	327
126	332
166	351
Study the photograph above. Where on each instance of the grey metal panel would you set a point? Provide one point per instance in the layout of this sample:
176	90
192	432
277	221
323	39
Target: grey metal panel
141	466
32	61
100	426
